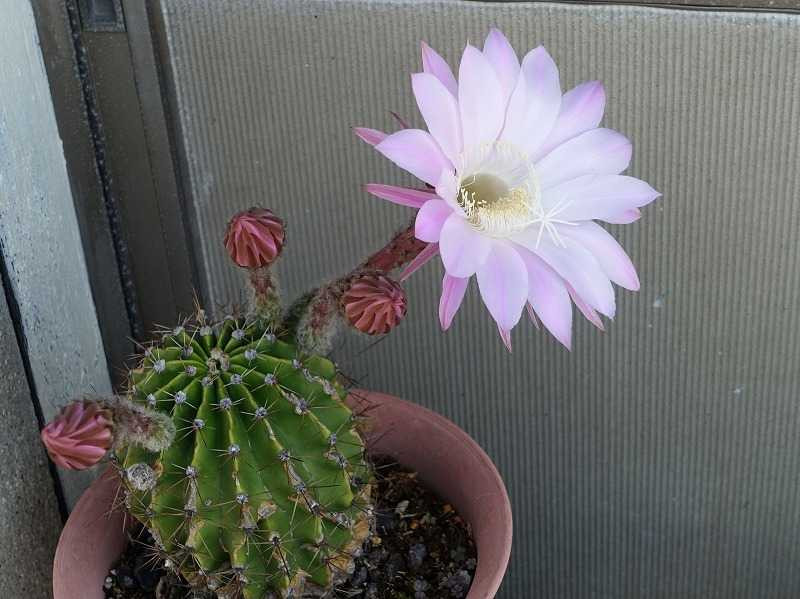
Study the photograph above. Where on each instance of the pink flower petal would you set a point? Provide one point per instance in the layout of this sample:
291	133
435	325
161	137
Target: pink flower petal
436	65
416	151
576	265
504	60
430	251
586	309
581	110
548	295
505	335
372	136
597	197
480	99
463	249
74	413
453	289
80	435
430	220
595	152
440	111
609	254
535	102
400	120
413	198
625	217
532	313
503	283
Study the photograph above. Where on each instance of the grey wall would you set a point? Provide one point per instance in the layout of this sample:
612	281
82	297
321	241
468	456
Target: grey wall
29	517
656	460
39	236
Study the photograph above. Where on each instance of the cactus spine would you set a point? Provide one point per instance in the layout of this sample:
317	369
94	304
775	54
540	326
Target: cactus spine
265	485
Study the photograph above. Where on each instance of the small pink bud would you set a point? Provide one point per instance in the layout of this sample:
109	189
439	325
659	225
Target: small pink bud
374	304
254	238
79	436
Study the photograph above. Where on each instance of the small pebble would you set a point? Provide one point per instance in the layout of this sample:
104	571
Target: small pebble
416	555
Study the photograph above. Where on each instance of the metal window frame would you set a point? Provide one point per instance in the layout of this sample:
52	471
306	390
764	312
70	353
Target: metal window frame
106	90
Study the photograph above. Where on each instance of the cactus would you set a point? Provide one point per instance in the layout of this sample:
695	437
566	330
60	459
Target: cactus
265	486
234	445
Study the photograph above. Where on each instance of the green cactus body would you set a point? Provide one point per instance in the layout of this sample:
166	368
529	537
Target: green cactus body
263	487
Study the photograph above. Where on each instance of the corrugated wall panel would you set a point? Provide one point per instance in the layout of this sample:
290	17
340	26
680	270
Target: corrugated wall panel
656	460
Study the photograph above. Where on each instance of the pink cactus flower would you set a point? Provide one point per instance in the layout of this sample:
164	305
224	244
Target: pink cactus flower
374	304
79	436
254	238
519	173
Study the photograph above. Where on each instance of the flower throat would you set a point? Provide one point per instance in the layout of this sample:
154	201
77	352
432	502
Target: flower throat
494	208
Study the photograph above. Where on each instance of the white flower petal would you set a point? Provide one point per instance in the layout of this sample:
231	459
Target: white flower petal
503	58
597	197
549	298
462	248
576	265
447	189
535	102
430	220
417	152
480	99
437	66
586	309
595	152
440	111
503	283
581	109
609	254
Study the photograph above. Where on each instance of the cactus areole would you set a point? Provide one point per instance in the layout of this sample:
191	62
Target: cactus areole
264	491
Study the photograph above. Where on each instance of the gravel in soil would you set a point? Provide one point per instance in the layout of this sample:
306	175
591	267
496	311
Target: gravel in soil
422	549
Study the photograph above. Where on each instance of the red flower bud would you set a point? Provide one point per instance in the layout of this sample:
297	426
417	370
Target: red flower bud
79	436
254	238
374	304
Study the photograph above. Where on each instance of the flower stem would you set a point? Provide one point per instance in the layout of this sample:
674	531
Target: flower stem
265	302
401	249
314	317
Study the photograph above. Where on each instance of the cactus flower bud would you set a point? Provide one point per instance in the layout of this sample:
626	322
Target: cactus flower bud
79	436
254	238
373	303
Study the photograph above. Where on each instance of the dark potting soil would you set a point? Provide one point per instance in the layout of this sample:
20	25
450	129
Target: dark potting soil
422	549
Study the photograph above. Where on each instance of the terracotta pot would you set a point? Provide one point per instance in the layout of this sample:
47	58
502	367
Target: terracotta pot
447	459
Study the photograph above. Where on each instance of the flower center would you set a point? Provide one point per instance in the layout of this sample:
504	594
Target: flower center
498	190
